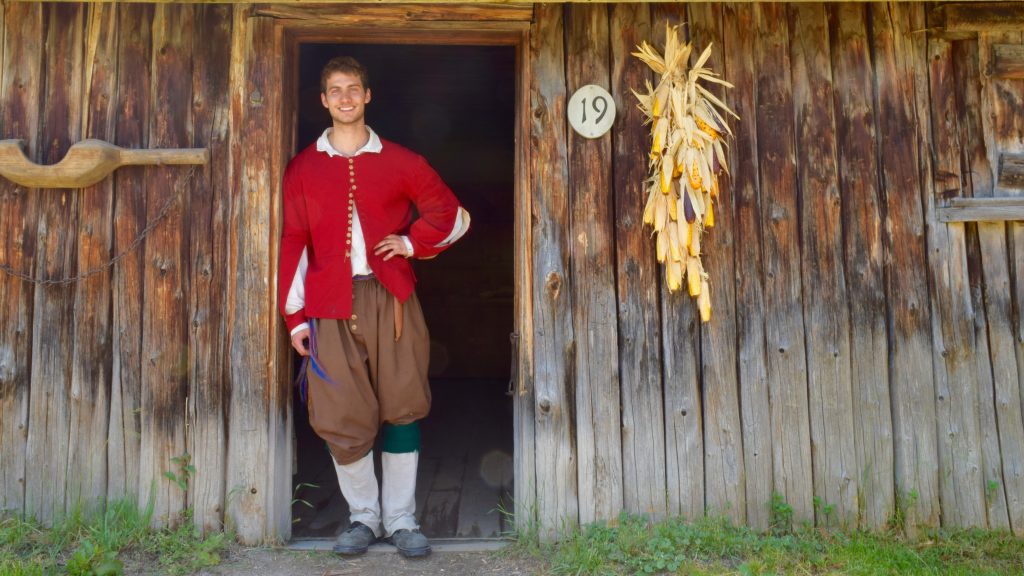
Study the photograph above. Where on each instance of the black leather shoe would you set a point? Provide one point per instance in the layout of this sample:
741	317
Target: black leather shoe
410	543
354	541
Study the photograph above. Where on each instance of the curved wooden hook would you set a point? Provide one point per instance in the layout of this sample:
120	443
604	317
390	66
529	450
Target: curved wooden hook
86	163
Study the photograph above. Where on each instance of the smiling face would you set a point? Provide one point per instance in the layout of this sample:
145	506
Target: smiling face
345	98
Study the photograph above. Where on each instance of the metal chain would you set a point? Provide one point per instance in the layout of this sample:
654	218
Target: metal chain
164	210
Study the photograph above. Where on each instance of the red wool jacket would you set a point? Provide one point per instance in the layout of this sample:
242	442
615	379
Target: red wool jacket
387	185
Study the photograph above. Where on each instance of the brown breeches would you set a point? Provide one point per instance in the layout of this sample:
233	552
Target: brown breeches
372	378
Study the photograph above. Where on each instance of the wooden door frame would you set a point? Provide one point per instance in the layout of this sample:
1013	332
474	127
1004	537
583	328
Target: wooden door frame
374	26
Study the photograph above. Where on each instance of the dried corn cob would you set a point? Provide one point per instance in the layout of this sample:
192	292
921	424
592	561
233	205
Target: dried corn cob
686	157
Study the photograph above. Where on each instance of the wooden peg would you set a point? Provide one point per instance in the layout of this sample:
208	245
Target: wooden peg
86	163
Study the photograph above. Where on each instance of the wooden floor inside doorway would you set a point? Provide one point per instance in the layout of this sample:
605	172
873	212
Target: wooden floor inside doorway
465	473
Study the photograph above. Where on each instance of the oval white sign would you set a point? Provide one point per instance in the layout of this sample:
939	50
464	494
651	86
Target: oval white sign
591	111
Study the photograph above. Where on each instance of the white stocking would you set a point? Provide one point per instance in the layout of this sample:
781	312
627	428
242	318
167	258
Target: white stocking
358	485
400	491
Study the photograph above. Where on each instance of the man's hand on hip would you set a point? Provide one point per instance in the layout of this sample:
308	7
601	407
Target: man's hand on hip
391	246
300	341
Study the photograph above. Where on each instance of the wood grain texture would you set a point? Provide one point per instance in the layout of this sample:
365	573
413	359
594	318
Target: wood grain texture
857	143
836	473
53	315
1011	173
1001	102
133	106
524	418
980	17
784	324
165	357
208	391
20	94
395	14
966	63
256	117
952	331
553	337
643	417
1004	481
591	254
745	187
91	354
1007	61
725	480
982	209
897	59
684	435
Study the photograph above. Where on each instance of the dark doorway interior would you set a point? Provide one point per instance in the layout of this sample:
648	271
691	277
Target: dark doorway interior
455	105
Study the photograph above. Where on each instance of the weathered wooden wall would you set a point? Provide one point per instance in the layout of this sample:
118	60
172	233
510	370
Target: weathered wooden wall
865	360
104	381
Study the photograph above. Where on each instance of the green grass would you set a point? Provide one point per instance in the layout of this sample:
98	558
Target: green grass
100	544
631	545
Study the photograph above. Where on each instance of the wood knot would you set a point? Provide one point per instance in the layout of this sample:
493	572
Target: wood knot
252	490
544	405
682	412
553	285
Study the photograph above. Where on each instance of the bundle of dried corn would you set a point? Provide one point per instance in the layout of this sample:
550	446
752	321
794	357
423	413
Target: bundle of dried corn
687	128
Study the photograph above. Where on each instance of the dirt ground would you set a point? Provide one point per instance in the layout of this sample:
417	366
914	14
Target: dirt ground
282	562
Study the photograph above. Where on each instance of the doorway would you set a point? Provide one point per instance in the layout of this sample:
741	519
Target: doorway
456	106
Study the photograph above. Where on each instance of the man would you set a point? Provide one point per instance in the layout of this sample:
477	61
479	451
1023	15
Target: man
353	311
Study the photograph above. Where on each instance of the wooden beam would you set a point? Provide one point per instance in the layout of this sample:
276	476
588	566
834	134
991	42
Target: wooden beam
837	481
982	210
591	254
724	472
964	19
745	191
553	337
1011	170
396	14
1007	61
643	421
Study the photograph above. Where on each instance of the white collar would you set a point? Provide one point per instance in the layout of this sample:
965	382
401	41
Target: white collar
323	144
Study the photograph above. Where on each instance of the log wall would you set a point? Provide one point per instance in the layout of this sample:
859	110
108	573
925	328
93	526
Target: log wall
865	362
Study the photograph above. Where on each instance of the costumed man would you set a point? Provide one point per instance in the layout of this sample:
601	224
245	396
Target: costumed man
346	291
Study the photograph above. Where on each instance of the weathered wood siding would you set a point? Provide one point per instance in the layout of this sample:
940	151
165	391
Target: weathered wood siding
864	362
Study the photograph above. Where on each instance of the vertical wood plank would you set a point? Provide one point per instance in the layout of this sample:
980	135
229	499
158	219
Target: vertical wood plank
525	466
858	171
53	316
91	356
784	325
598	437
684	436
20	95
643	417
836	474
973	153
999	102
554	346
723	433
750	300
280	450
165	304
133	104
211	48
952	330
255	116
898	55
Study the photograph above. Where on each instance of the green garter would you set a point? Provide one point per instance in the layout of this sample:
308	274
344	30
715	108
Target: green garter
401	438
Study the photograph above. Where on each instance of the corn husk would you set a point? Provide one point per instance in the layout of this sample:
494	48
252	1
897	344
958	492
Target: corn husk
687	155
